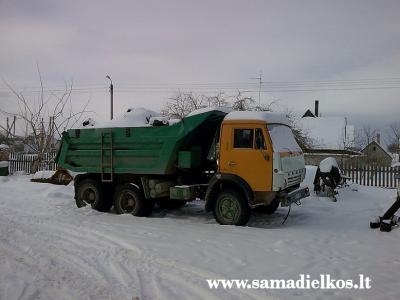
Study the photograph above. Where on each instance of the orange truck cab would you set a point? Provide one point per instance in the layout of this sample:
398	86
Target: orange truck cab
260	165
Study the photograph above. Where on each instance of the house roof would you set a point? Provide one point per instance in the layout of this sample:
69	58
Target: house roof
378	145
308	113
327	132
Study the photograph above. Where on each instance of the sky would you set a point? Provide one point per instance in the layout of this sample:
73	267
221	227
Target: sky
346	54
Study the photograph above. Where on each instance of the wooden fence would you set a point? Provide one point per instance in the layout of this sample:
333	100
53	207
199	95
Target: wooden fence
20	162
371	175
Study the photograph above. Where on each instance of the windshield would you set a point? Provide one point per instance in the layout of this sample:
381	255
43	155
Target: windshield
282	138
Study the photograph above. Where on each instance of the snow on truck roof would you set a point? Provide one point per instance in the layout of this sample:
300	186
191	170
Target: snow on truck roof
269	117
141	117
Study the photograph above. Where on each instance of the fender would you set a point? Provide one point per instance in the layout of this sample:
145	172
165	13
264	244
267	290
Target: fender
214	187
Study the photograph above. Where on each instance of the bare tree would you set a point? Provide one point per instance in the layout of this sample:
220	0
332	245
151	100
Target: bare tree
394	137
242	102
266	106
302	136
366	135
181	104
44	117
218	100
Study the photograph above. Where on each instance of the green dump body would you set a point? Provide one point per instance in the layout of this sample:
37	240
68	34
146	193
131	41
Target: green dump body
140	150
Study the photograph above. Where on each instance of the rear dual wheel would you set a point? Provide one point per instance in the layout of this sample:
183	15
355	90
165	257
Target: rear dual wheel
91	192
128	199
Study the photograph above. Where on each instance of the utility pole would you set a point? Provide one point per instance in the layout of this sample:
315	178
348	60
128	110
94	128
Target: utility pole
111	97
259	87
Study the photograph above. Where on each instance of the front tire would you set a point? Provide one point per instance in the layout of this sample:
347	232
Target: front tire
89	191
231	208
128	199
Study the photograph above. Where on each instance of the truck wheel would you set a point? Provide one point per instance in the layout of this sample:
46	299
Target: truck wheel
170	203
90	192
231	208
270	208
128	199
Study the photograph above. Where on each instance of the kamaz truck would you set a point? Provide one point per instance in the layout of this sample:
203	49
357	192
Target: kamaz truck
234	161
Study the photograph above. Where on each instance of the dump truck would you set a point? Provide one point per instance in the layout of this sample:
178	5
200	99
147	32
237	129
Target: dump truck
234	161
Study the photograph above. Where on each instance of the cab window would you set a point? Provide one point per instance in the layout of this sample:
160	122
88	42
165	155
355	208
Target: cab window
259	140
243	138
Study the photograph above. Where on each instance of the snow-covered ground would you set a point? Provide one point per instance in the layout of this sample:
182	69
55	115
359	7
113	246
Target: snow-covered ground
49	249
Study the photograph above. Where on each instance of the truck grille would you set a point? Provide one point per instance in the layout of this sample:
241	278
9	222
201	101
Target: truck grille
295	179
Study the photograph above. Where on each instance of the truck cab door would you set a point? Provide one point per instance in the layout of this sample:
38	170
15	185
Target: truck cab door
245	151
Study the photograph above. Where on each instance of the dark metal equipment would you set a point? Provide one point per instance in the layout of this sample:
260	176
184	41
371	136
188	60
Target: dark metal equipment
389	219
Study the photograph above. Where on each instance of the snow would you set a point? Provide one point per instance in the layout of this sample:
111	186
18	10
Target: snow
327	132
208	109
269	117
4	146
49	249
43	174
327	164
134	117
4	164
163	120
173	121
282	138
395	158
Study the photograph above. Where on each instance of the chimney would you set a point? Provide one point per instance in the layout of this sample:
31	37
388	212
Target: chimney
378	138
316	108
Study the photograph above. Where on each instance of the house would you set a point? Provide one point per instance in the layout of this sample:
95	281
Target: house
330	136
375	154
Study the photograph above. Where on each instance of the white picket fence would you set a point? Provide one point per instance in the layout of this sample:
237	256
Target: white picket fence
21	162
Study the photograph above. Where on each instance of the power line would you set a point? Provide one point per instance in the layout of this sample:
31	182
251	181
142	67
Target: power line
273	87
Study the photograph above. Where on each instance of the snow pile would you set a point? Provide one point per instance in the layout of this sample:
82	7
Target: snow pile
208	109
283	139
158	121
43	174
396	165
269	117
174	121
4	147
134	117
327	164
4	164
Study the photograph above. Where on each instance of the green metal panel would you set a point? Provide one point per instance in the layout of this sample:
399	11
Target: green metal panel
182	192
140	150
190	159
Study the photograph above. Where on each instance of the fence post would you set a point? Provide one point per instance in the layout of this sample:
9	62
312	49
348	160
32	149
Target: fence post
23	162
379	176
356	162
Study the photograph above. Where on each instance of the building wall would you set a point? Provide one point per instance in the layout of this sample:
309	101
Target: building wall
315	158
375	155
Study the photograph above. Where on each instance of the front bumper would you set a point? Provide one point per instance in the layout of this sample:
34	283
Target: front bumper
295	196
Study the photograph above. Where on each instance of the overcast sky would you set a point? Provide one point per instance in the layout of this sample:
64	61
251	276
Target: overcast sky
153	48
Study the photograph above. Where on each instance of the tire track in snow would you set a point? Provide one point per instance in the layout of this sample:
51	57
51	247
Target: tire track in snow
121	257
